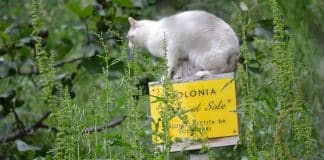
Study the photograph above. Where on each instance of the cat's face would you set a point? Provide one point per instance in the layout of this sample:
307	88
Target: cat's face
135	33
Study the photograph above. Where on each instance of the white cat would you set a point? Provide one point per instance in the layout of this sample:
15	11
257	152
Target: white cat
204	39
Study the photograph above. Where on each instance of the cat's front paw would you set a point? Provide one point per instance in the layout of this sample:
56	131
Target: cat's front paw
202	74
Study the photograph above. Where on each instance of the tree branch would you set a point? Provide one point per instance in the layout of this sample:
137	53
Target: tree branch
111	124
19	122
61	63
27	131
36	72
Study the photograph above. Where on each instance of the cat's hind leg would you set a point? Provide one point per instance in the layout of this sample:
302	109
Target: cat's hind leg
214	62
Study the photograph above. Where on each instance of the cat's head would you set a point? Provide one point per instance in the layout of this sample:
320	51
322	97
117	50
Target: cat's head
137	34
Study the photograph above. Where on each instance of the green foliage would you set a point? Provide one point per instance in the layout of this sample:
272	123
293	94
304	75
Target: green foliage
44	60
134	116
124	3
70	57
65	145
247	96
288	97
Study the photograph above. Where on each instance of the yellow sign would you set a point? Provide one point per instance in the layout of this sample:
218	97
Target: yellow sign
210	105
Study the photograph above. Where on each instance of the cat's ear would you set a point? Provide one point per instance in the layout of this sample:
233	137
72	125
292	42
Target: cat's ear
133	22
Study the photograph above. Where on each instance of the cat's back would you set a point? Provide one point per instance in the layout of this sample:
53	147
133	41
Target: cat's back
196	22
190	19
192	28
187	15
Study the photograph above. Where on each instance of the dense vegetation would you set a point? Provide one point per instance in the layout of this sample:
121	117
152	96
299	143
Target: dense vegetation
64	71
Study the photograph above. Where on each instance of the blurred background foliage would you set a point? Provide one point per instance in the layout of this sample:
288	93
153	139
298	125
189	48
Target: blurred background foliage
69	30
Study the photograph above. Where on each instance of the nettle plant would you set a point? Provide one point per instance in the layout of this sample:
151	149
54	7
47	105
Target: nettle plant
272	126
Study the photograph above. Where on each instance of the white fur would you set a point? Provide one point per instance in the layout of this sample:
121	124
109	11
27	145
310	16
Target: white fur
206	40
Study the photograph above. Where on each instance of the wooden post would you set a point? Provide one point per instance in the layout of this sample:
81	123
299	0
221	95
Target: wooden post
186	71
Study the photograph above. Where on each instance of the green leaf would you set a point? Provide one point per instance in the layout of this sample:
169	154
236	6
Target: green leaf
124	3
90	50
4	36
3	25
87	11
81	12
63	47
74	7
120	20
93	64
